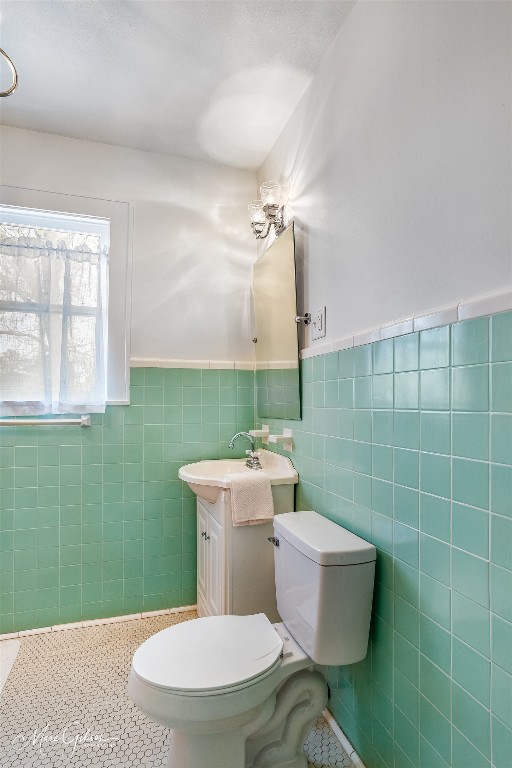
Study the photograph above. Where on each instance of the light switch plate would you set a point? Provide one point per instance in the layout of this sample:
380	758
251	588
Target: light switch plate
318	324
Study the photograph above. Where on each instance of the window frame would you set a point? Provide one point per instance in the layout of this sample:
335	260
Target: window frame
119	270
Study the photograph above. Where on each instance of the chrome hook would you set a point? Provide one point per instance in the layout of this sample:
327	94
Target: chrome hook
14	75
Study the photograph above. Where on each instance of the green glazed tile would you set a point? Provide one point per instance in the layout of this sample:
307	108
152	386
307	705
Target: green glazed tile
472	671
472	719
501	438
435	558
501	703
429	757
363	425
406	696
331	366
383	391
501	541
465	753
435	430
382	497
501	329
383	427
383	356
406	507
435	727
407	468
502	743
406	391
406	429
406	544
407	620
470	529
406	736
471	482
470	576
382	531
471	388
470	342
435	348
363	392
383	462
501	591
435	643
471	623
363	360
502	643
346	363
435	390
346	393
470	435
435	686
407	658
435	474
406	352
501	490
406	582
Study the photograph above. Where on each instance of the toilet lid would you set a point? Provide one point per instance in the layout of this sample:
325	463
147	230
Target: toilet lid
204	655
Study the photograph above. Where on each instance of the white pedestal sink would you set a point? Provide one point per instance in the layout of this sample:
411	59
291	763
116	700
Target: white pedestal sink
235	565
206	478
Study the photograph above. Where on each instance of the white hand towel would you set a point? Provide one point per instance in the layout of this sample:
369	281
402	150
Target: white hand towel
251	497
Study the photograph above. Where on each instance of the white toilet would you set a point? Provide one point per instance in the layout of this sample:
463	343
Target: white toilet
239	692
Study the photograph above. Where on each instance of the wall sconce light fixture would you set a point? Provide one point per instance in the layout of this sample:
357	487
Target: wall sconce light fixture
266	212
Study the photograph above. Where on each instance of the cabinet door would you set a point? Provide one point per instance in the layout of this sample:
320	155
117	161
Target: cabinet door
215	565
202	550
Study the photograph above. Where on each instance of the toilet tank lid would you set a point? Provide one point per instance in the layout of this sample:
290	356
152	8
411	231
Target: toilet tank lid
323	541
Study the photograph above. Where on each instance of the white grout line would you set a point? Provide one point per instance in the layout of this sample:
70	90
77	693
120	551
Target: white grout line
340	736
96	622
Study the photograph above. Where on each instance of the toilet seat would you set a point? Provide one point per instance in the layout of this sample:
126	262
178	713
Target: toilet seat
208	656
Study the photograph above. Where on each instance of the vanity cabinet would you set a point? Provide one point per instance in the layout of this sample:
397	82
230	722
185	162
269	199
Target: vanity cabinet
235	565
210	563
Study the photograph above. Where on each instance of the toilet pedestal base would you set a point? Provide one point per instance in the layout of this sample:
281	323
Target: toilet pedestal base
280	742
213	750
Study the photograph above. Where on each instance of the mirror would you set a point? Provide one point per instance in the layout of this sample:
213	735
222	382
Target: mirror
277	345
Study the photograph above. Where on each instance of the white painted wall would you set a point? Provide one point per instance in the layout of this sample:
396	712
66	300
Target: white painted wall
193	248
398	161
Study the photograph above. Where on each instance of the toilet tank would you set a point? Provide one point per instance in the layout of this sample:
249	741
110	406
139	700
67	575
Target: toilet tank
324	586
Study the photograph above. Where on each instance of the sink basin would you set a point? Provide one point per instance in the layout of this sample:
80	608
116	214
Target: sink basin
208	478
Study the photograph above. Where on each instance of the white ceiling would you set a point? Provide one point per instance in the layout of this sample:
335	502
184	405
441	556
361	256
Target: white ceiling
206	79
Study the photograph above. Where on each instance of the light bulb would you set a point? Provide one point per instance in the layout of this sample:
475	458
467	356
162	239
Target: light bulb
270	192
256	212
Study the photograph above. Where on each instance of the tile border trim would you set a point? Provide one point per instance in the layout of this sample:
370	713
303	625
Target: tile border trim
340	736
218	365
464	310
96	622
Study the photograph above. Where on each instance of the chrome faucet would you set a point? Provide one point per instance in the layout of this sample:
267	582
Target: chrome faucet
253	460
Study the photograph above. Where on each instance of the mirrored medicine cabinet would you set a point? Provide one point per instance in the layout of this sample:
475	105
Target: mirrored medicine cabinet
276	332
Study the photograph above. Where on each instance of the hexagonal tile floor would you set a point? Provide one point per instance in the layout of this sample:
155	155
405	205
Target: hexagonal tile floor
65	704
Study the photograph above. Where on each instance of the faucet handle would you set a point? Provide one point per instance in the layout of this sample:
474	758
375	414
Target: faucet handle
253	460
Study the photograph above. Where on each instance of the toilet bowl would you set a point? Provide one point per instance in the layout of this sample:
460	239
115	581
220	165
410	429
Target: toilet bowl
240	692
223	691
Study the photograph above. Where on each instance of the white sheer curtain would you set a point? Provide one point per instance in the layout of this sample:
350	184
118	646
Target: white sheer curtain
53	304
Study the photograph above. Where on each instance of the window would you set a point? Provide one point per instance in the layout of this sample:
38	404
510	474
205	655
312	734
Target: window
53	312
119	214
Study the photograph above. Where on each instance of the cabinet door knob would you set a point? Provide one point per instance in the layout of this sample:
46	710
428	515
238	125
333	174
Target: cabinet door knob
206	538
273	540
203	533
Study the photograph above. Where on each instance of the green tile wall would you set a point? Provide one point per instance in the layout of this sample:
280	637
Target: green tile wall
412	450
278	393
95	522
